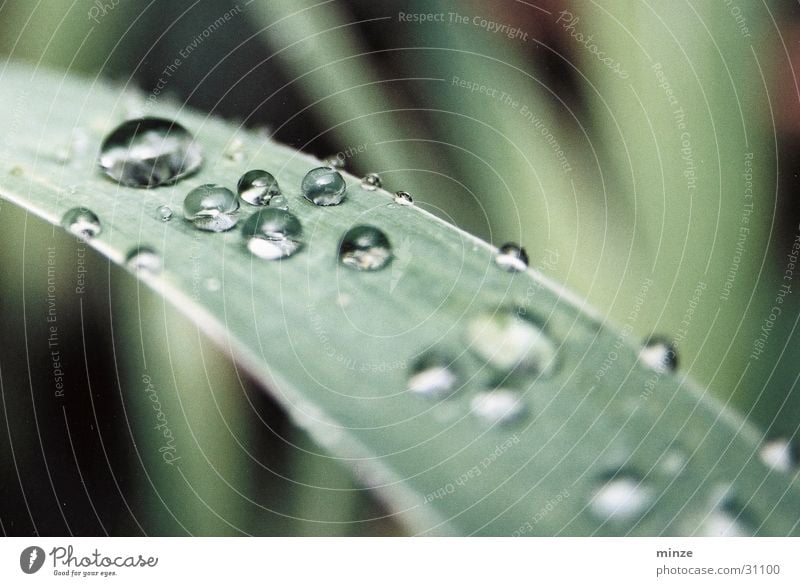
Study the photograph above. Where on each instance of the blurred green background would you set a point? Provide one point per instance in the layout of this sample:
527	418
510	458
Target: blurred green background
642	152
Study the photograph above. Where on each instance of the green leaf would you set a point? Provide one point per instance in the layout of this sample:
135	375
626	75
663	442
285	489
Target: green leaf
335	346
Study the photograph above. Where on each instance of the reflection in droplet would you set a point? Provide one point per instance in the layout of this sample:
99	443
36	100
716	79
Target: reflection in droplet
365	248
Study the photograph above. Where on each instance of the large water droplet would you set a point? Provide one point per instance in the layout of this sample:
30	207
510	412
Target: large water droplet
143	259
403	198
512	340
498	406
148	152
164	213
371	182
82	222
620	497
280	202
365	248
272	234
778	454
211	207
433	376
258	187
659	354
512	258
323	186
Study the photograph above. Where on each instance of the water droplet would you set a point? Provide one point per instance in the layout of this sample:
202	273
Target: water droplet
82	222
143	259
727	517
498	406
403	198
365	248
512	258
323	186
620	497
211	207
778	454
213	284
164	213
334	162
272	234
673	462
258	187
280	202
371	182
433	376
659	354
512	340
148	152
235	151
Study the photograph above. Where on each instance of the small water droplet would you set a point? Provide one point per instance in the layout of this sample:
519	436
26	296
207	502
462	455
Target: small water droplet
258	187
403	198
211	207
620	497
334	162
365	248
280	202
371	182
512	258
272	234
673	462
234	152
778	454
148	152
143	259
323	186
659	354
164	213
82	222
213	284
498	406
433	376
512	340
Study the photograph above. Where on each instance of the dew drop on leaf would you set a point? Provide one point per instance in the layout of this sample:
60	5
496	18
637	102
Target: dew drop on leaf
403	198
778	454
143	259
258	187
512	340
433	376
272	234
280	202
323	186
82	222
164	213
148	152
371	182
621	497
659	354
365	248
512	258
501	406
211	207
